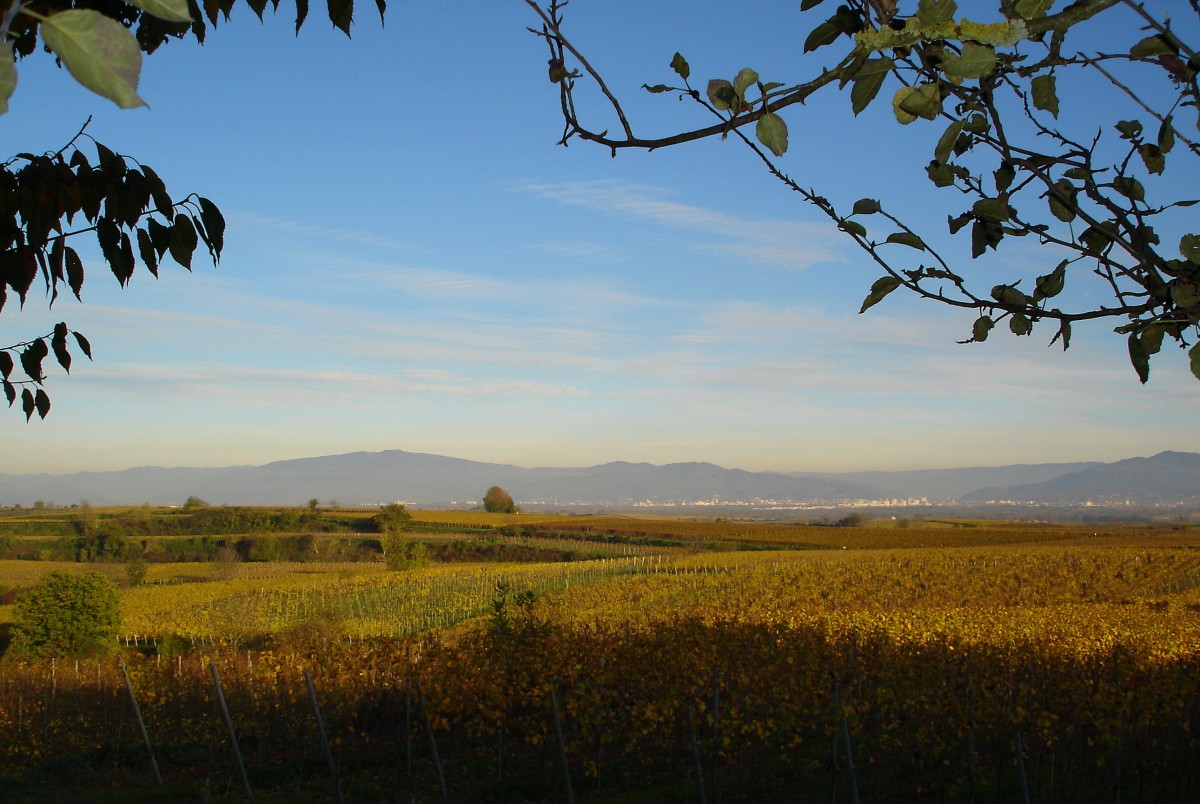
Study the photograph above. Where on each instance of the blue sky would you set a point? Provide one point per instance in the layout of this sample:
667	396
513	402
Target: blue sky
412	263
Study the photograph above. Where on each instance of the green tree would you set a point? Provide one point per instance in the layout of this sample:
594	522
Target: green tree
193	502
392	518
498	501
67	615
1105	187
125	205
313	503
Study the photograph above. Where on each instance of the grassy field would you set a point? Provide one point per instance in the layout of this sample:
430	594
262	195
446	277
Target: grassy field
897	661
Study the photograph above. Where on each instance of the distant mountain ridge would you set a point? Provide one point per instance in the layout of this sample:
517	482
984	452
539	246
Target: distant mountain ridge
368	478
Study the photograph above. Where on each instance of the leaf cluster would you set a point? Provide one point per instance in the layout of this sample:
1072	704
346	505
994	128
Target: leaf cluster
68	614
1096	203
48	199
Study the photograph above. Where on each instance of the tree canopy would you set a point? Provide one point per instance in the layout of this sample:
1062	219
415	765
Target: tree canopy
67	614
1061	124
498	501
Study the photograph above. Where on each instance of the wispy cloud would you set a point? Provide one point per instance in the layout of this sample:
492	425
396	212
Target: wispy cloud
790	244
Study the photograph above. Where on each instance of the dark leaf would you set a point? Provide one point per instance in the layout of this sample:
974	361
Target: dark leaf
258	7
158	191
1052	283
1166	136
1045	94
940	174
824	34
42	402
341	14
146	251
945	145
1019	324
6	364
985	234
74	272
58	342
214	224
881	288
680	66
84	346
1139	358
865	89
183	241
1064	333
301	13
1129	129
1152	156
805	5
980	329
32	357
866	206
1155	45
1194	360
906	239
657	88
10	391
853	227
1004	176
1189	247
379	4
27	403
160	236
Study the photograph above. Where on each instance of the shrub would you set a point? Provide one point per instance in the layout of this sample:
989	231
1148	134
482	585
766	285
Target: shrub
404	554
67	615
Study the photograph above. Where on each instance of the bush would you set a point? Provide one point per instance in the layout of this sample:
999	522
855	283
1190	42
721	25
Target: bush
67	615
404	554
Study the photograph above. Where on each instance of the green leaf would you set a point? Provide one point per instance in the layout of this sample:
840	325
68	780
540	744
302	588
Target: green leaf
995	209
8	75
743	80
1019	324
1189	247
1004	176
1152	156
1009	295
864	90
805	5
824	34
1045	94
680	66
854	227
1062	200
1152	338
945	144
940	174
1185	294
1139	358
657	88
1152	46
1129	129
924	101
772	132
1194	356
1033	9
1166	135
935	12
975	61
169	10
1129	187
720	94
906	239
99	52
866	206
881	288
1052	283
980	329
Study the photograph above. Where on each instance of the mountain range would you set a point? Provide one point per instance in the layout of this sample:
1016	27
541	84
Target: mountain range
368	478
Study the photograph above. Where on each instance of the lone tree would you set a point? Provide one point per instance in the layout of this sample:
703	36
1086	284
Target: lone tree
67	615
392	518
1106	188
498	501
85	189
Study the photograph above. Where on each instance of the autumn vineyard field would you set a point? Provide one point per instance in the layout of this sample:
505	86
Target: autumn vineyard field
620	659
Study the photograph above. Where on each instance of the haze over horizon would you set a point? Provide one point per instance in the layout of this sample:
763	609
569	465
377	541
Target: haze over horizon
412	262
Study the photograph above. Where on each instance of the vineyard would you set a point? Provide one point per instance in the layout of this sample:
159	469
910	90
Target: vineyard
948	662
